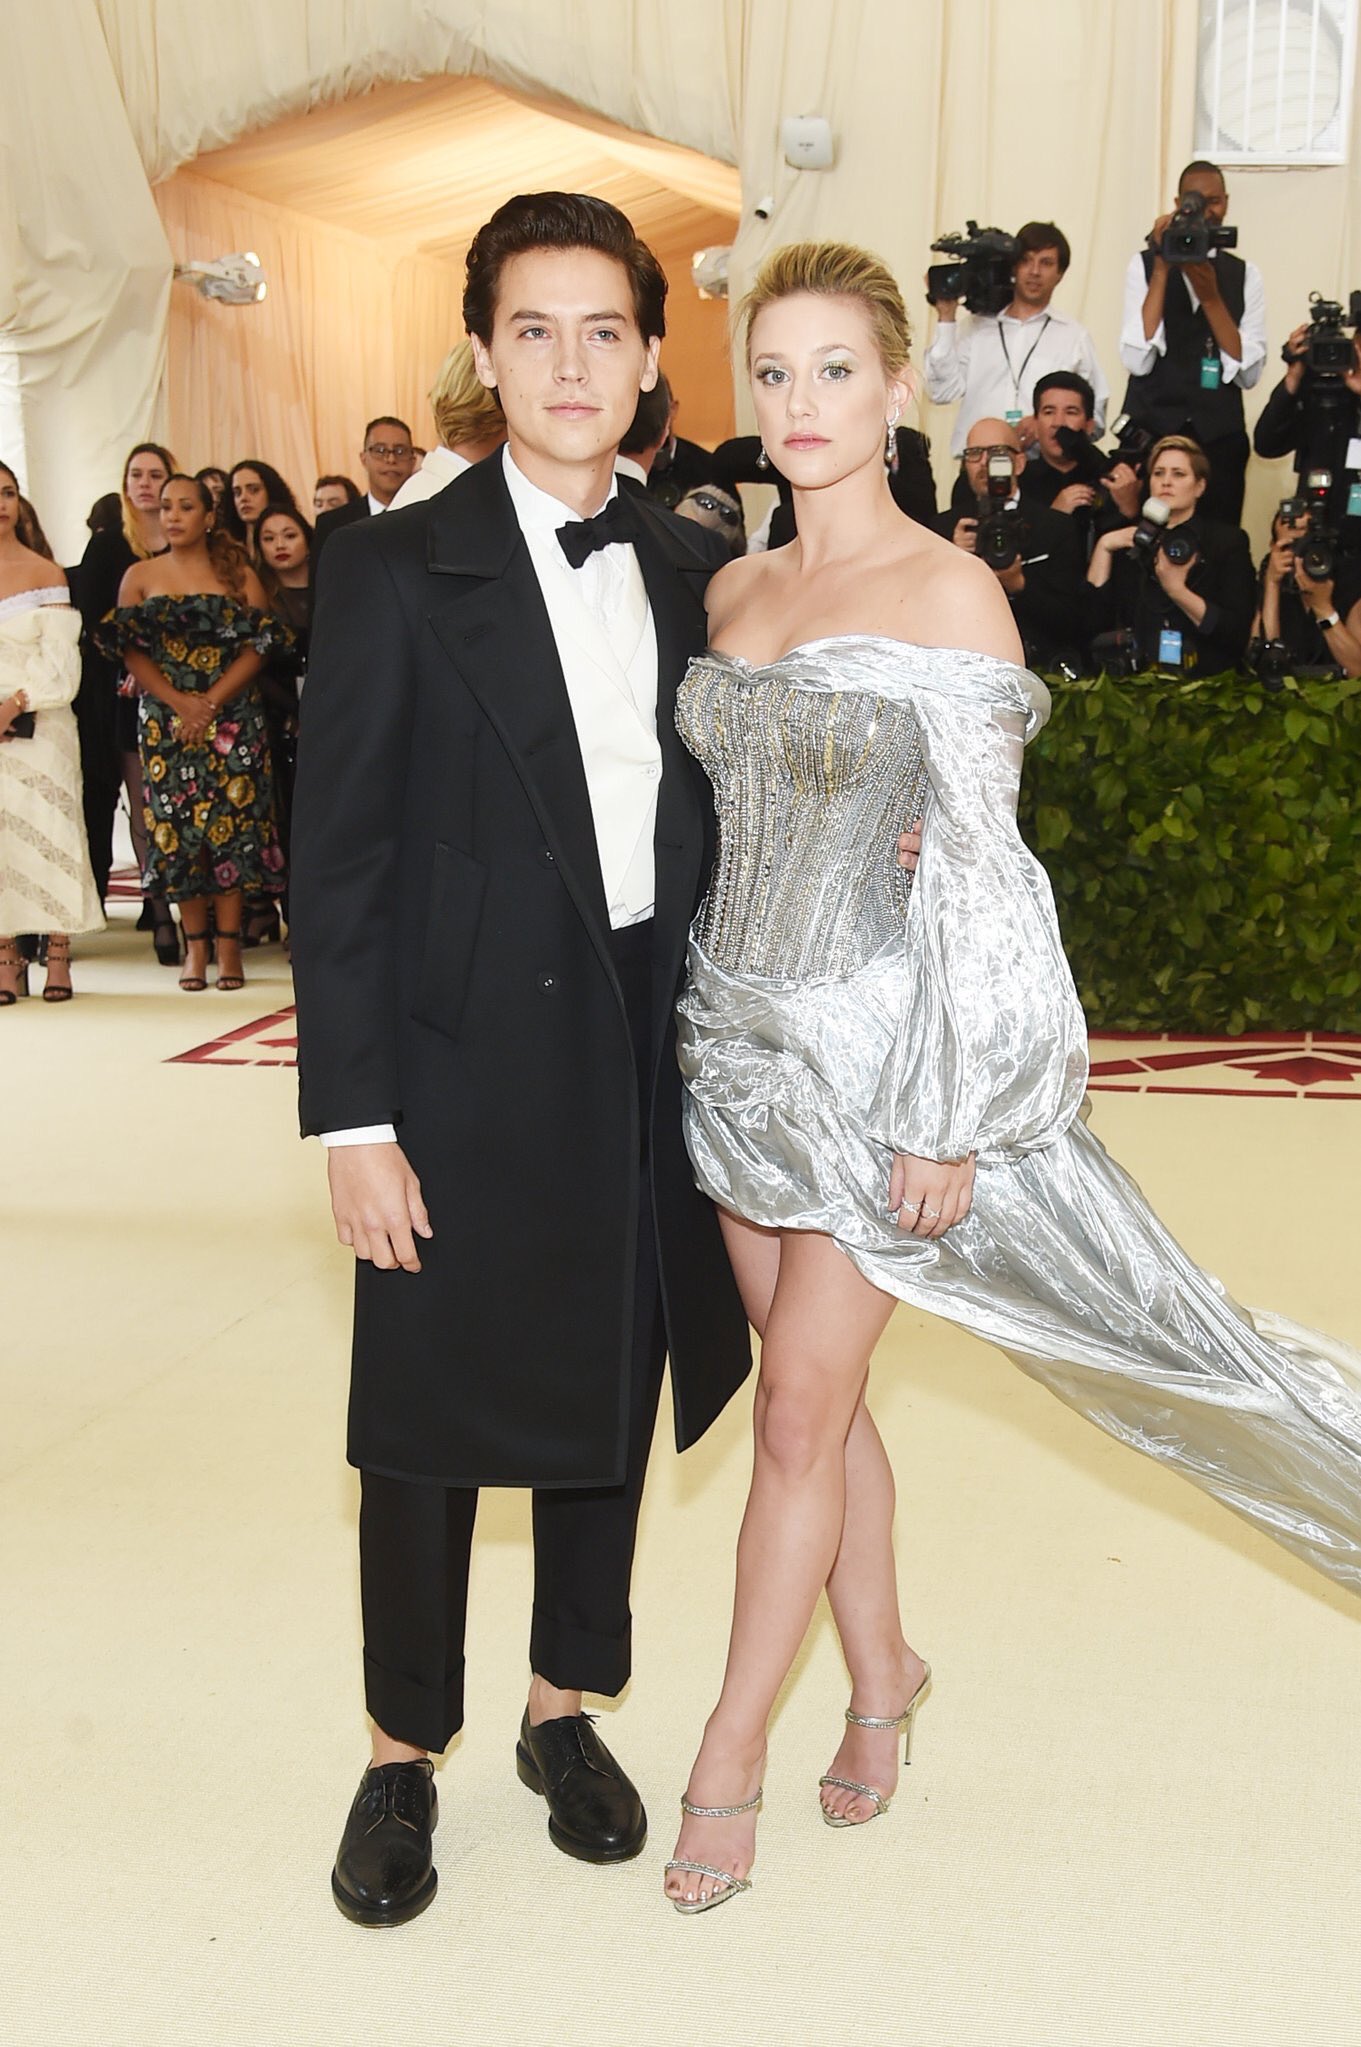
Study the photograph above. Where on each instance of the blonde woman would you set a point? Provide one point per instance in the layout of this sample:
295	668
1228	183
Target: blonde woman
883	1087
468	420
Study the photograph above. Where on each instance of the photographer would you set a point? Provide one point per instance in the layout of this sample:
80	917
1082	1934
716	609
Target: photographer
1182	586
1066	479
993	364
1316	417
1194	334
1304	622
1034	552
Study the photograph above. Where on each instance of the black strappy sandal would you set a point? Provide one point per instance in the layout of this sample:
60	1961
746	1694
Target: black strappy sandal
228	983
194	984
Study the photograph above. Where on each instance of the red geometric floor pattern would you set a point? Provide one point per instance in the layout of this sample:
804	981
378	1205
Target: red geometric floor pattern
1302	1065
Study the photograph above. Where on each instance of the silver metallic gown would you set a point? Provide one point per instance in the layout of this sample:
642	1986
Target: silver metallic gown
835	1013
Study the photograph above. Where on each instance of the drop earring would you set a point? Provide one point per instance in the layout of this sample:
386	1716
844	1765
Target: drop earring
891	444
763	460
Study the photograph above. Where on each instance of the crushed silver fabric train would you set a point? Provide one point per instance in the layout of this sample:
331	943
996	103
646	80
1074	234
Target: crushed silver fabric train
956	1031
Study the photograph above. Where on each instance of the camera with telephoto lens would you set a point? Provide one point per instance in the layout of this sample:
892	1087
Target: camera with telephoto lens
1093	464
1316	548
1001	534
1270	662
1189	236
980	272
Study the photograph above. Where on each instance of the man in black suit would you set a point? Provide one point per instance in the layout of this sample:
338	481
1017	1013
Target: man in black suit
388	458
499	841
1043	574
644	441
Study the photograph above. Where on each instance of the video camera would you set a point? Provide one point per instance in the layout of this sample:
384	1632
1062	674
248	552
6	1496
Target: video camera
1132	445
1328	353
981	270
1189	236
1001	533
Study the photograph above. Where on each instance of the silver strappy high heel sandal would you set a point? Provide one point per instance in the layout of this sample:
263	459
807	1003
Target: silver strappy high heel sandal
880	1800
732	1884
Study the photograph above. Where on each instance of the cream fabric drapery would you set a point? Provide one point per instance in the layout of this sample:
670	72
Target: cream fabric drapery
343	335
942	108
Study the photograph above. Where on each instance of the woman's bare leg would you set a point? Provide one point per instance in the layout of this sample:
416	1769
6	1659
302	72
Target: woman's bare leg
822	1326
863	1591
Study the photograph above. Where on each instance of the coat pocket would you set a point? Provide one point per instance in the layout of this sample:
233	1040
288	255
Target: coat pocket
457	886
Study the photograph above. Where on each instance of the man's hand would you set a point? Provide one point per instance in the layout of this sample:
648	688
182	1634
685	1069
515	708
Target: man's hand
1012	579
1074	496
965	534
1156	233
1316	597
376	1201
946	309
927	1197
1027	431
909	847
1122	488
1280	563
1205	279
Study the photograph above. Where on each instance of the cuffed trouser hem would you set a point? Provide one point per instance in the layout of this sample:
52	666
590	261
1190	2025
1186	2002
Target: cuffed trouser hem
572	1659
425	1716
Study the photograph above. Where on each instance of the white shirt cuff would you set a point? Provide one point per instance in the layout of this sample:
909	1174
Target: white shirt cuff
372	1133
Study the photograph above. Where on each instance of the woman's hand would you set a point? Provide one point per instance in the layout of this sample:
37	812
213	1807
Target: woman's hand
1316	597
929	1196
1104	553
1280	563
1173	575
196	715
9	711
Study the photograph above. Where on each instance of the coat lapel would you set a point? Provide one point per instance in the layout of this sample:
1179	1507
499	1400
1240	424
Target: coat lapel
490	618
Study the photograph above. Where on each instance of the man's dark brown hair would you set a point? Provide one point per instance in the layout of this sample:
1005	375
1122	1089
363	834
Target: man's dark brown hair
1042	234
560	220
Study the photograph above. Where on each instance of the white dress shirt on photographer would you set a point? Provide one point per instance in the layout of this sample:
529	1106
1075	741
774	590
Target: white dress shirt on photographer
607	643
1139	352
994	365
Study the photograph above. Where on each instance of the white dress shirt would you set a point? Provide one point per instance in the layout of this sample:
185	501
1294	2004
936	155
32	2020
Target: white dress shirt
438	467
1139	352
607	645
375	505
994	365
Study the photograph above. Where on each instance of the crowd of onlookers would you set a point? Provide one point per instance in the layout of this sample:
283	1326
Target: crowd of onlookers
180	692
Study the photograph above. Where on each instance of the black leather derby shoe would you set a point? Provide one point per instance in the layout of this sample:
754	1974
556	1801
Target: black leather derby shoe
383	1873
594	1812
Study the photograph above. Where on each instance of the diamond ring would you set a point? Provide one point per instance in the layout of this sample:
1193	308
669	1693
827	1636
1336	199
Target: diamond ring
934	1213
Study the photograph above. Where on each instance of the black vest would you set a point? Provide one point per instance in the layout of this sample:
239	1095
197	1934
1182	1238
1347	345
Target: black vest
1170	394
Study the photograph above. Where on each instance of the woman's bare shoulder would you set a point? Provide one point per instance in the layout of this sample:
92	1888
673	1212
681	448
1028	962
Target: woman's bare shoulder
955	600
739	586
28	570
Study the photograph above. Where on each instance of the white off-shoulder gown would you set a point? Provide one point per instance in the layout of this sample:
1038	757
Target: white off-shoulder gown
835	1013
45	879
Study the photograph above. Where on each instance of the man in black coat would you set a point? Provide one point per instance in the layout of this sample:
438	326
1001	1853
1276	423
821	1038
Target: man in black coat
388	459
1040	565
499	842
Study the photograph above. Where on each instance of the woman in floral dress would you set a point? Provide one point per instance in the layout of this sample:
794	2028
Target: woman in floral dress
193	631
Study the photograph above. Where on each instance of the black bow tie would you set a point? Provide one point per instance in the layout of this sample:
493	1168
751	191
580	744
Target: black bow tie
581	537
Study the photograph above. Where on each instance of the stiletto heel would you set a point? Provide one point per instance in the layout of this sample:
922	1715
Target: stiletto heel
732	1885
228	983
13	962
59	954
880	1799
194	984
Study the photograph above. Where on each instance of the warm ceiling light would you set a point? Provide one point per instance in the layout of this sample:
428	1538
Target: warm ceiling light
237	280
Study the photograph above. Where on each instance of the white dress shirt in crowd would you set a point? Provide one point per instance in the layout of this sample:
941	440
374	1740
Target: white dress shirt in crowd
624	465
438	467
1139	353
607	644
376	505
994	365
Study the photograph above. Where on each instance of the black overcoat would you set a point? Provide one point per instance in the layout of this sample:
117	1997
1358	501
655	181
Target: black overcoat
454	977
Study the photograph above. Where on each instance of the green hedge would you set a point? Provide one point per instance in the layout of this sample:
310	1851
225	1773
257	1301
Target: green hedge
1204	842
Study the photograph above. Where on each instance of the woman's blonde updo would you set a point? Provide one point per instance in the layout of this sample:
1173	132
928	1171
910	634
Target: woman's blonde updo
464	409
835	270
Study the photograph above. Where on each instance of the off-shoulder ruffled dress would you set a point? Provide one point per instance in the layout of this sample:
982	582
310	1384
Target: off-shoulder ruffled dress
835	1013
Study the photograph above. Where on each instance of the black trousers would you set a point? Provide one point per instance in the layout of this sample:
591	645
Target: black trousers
415	1538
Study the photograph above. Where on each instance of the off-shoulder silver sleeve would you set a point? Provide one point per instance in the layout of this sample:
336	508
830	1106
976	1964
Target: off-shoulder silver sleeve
990	1052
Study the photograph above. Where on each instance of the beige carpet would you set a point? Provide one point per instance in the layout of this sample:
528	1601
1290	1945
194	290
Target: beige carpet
1132	1814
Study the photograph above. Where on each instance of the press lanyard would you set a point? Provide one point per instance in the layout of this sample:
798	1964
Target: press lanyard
1018	375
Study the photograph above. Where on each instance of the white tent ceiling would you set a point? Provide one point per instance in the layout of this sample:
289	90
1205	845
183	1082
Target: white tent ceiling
418	167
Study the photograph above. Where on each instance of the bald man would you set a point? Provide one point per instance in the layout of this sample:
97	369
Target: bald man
1044	581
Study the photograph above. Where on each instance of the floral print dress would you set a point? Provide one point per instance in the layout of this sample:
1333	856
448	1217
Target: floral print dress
210	813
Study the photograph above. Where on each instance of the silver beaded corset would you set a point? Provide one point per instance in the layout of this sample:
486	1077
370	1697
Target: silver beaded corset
813	788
